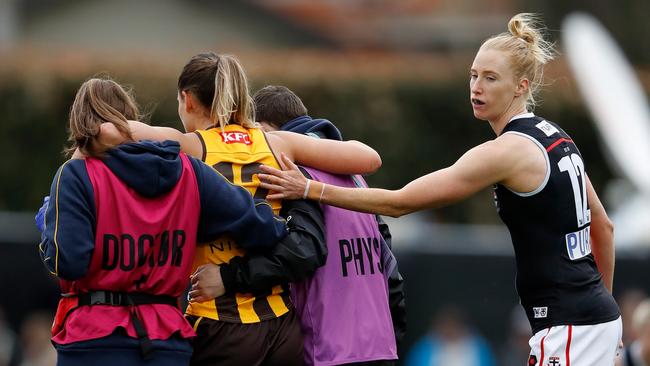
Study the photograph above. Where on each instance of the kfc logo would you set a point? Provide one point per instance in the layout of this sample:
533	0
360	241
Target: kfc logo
235	138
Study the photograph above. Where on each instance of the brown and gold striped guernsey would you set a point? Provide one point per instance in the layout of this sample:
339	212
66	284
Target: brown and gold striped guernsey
237	153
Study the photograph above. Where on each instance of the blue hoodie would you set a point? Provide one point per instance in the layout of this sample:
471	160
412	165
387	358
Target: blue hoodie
151	169
321	128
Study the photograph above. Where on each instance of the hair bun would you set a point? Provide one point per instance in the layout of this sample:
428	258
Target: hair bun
522	26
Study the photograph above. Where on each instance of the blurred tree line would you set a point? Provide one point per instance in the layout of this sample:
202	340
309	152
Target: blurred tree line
416	125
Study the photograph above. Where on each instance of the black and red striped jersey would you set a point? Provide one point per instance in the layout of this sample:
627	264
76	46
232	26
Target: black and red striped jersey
557	278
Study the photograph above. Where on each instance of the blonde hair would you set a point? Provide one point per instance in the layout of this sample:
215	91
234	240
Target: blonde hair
528	51
99	100
220	84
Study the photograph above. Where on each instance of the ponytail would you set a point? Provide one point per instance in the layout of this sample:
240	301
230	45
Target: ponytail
232	102
219	83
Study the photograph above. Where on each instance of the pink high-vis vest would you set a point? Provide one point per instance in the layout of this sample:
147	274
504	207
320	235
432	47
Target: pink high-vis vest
143	245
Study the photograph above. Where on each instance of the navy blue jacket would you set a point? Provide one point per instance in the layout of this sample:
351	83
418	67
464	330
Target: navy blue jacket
318	127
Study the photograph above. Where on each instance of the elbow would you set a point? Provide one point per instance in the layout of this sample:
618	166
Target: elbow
372	163
302	273
375	162
602	231
392	212
397	214
609	226
71	274
61	267
371	158
72	269
268	239
397	211
398	204
604	225
263	232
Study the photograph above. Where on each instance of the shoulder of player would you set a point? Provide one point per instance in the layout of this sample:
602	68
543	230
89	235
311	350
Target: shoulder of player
285	136
73	169
281	141
193	144
503	153
496	150
72	179
519	151
516	142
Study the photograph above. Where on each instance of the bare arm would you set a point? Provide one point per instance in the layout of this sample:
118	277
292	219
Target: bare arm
341	157
190	143
478	168
602	238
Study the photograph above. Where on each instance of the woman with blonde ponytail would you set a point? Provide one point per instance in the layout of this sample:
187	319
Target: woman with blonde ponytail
213	93
562	236
217	112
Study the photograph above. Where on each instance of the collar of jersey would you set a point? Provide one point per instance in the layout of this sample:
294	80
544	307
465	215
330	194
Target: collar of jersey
522	115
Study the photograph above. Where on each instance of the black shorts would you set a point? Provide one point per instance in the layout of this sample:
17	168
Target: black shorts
270	342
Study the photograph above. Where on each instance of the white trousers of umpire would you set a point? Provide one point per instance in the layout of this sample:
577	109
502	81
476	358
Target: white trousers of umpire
576	345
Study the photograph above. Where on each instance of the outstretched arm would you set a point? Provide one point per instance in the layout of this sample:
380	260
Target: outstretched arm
602	238
340	157
478	168
190	143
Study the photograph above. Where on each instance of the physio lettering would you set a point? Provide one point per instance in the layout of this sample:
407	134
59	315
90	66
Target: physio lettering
360	256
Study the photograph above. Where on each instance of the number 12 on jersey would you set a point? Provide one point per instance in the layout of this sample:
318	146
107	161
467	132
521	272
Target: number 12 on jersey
578	243
576	168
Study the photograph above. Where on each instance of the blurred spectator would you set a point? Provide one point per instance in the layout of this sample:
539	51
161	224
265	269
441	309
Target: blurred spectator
638	352
7	341
628	302
35	336
451	342
517	350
